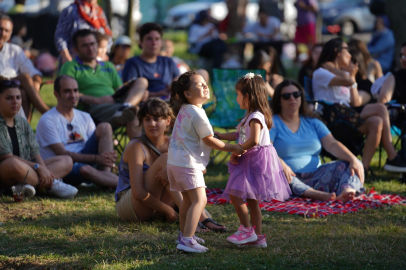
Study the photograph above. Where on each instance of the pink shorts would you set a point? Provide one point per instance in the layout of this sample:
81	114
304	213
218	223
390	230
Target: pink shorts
182	179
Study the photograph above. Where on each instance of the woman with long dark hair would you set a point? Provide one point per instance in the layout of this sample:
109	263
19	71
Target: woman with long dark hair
298	138
334	81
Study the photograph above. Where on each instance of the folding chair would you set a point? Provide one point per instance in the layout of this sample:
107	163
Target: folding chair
341	130
226	110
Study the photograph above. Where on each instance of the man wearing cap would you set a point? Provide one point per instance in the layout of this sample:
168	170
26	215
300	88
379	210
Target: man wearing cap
120	52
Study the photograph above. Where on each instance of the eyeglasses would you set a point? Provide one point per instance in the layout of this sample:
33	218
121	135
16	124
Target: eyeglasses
345	48
72	134
12	83
296	94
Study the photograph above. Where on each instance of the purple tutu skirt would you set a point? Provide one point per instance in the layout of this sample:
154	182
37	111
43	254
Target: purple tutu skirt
258	175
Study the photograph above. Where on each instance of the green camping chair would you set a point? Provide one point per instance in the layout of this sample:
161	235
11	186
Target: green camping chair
225	109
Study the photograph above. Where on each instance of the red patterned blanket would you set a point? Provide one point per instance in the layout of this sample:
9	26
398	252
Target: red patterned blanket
313	208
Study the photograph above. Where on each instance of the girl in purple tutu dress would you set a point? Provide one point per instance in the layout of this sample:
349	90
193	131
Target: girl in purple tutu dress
256	175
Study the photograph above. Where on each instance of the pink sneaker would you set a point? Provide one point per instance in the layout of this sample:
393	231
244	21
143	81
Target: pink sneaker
243	235
260	243
190	245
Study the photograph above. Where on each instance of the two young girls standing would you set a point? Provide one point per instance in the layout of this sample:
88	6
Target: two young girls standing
255	171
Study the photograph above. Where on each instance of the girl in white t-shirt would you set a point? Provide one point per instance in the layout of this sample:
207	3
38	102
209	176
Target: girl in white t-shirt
334	81
189	152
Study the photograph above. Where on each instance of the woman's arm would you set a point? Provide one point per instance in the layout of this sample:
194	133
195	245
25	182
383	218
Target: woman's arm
255	127
134	156
342	78
341	152
287	171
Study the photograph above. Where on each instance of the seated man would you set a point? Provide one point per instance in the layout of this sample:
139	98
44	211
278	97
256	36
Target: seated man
12	56
97	83
63	130
158	70
394	85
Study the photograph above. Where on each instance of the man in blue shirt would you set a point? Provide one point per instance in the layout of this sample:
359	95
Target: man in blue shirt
158	70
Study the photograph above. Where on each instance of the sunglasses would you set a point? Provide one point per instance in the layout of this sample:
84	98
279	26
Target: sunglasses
72	134
12	83
402	56
296	94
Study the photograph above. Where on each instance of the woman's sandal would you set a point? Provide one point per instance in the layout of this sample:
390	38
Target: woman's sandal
207	220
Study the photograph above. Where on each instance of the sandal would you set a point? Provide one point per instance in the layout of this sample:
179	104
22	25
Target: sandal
207	220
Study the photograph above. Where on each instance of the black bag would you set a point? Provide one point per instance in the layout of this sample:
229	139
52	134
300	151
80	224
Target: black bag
149	144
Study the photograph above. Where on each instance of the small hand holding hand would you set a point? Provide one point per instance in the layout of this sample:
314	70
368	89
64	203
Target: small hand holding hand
234	159
352	69
238	150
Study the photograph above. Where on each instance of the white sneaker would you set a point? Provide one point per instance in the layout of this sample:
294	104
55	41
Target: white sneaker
62	190
29	191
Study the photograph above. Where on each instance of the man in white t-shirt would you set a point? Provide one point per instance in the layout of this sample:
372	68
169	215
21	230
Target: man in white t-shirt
266	29
63	130
12	56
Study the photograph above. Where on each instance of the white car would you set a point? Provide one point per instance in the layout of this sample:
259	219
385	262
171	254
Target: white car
183	15
119	9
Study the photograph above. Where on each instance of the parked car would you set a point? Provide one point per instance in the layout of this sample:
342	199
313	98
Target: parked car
183	15
119	9
347	16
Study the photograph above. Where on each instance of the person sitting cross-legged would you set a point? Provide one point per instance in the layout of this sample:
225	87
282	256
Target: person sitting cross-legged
97	83
64	130
19	151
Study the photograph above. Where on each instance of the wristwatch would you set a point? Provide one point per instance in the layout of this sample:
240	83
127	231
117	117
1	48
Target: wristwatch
355	85
36	167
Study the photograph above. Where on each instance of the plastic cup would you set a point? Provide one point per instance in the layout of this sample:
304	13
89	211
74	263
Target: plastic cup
18	193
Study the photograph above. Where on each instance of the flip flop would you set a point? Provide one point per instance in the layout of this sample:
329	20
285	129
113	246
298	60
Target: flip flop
207	220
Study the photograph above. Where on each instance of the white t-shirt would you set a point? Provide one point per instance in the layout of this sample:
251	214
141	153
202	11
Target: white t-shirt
13	56
196	31
271	26
52	128
186	148
322	91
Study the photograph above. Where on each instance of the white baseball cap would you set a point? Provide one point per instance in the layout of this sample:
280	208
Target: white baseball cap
123	40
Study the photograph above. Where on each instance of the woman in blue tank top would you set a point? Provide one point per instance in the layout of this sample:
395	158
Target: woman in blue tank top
143	181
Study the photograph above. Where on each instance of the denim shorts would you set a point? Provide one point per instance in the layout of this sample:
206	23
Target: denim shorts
74	178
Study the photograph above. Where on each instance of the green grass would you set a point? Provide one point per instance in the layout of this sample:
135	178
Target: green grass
85	233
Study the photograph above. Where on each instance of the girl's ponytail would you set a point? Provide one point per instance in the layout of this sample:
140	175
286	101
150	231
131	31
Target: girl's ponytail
179	87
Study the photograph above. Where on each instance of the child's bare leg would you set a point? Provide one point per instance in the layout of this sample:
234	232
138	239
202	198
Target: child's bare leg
256	215
184	207
242	210
198	200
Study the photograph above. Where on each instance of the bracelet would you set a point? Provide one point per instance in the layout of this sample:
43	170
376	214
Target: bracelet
94	161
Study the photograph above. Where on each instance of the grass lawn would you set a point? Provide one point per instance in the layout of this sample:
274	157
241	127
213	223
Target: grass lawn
85	233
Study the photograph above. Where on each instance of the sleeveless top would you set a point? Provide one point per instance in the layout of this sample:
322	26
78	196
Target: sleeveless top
124	176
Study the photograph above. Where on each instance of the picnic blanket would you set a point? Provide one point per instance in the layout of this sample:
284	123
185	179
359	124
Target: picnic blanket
313	208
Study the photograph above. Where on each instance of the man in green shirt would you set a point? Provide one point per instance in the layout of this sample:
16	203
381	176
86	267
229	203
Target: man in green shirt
97	84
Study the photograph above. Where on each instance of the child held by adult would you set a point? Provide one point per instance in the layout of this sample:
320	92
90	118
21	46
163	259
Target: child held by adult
257	175
189	152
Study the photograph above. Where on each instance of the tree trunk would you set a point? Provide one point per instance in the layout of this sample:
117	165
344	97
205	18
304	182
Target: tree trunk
108	10
396	12
129	23
236	12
